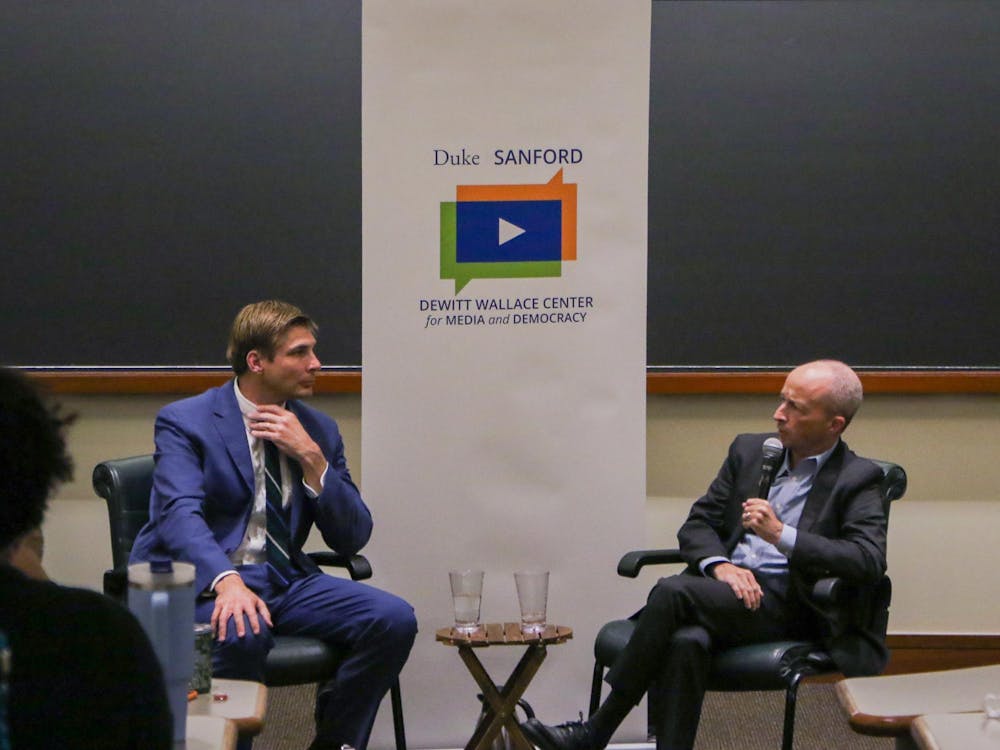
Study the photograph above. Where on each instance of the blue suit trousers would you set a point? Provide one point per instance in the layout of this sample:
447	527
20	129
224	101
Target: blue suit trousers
375	627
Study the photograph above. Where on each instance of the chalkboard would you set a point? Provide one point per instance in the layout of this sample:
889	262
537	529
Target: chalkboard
166	161
824	180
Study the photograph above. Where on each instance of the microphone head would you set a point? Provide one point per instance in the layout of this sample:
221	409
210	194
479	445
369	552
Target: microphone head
773	449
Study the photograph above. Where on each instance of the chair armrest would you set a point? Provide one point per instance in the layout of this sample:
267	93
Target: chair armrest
632	562
847	605
827	591
116	579
356	565
893	484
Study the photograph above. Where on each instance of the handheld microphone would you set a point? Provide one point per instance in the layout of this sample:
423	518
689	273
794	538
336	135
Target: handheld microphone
773	451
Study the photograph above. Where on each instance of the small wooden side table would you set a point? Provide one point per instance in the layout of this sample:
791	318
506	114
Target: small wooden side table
499	704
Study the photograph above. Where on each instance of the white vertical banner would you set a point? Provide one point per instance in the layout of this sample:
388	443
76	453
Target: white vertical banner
504	326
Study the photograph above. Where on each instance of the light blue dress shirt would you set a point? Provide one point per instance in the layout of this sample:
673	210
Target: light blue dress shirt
787	496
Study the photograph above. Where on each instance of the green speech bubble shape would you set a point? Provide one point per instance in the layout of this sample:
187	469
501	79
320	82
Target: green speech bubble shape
463	273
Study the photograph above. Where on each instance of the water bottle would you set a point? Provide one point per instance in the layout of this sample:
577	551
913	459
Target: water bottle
161	596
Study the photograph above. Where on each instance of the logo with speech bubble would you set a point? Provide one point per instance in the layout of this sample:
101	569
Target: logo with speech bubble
508	231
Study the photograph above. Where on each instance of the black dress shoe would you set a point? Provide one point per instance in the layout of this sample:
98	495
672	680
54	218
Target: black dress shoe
323	696
573	735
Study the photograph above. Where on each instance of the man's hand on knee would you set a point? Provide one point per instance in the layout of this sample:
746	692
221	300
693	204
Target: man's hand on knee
741	581
234	600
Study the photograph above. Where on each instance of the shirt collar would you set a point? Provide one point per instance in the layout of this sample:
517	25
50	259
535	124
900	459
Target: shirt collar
246	405
817	461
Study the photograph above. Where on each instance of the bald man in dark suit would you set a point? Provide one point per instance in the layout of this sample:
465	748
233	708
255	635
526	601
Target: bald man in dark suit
751	562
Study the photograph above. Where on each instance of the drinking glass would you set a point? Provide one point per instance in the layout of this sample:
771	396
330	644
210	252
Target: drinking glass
532	596
467	597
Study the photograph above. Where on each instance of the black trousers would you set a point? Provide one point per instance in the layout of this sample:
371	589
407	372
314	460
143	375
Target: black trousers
685	618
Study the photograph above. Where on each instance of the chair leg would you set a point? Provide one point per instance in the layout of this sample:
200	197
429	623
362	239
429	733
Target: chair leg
791	693
397	715
595	688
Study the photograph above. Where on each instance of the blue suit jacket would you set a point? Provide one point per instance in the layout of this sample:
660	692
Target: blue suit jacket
203	487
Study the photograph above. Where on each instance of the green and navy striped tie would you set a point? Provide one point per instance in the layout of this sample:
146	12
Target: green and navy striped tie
279	559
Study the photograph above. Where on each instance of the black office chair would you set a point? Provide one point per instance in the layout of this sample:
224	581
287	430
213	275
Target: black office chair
125	485
779	665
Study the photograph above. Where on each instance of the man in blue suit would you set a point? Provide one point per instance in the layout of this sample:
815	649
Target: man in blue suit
224	499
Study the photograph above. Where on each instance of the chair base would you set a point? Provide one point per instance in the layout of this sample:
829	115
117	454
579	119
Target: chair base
765	666
788	728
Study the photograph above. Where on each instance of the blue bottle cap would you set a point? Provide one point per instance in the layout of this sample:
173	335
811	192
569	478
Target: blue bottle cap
161	566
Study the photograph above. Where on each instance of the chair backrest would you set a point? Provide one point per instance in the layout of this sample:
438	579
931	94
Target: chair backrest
893	484
125	484
869	605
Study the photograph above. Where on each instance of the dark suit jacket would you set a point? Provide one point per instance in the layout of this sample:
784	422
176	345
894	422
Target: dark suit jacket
842	532
203	487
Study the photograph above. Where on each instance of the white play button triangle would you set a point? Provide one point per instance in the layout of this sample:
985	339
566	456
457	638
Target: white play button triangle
509	231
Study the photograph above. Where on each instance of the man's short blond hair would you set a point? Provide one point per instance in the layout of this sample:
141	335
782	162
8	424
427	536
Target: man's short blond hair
261	326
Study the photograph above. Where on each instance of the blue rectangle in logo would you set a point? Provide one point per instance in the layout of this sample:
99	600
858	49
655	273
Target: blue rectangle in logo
507	231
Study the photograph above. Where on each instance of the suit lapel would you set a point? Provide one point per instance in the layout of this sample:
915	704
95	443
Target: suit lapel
297	499
232	429
822	488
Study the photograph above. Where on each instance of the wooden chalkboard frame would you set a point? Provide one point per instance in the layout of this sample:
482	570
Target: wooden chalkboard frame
657	383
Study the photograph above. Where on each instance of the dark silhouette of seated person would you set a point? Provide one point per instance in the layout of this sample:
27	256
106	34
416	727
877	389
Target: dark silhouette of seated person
83	675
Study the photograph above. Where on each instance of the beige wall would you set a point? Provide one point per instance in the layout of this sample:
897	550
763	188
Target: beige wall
942	540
